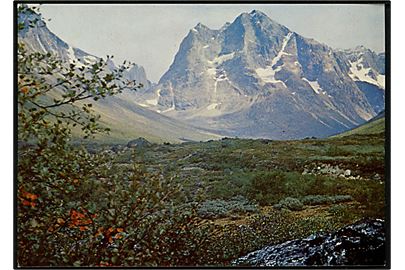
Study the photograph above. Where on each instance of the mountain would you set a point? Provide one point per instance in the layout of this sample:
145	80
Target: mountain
126	119
40	39
256	78
367	69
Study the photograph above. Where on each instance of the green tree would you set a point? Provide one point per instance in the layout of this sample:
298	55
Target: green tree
76	208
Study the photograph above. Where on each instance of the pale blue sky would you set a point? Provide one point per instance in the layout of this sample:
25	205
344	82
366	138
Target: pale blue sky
150	35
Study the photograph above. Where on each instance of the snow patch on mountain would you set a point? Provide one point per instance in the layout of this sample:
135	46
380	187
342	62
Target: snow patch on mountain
212	106
40	43
359	73
154	101
89	59
71	55
222	58
267	74
315	86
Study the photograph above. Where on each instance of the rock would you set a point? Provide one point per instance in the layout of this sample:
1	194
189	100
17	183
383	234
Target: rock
347	173
377	177
138	143
359	244
117	148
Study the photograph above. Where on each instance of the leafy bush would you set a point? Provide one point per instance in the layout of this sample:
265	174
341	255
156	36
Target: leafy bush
220	208
79	209
322	199
266	187
290	203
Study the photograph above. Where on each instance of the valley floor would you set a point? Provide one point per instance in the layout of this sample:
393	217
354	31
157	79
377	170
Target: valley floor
260	192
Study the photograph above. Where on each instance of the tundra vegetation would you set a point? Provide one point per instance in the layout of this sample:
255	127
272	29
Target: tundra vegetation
195	203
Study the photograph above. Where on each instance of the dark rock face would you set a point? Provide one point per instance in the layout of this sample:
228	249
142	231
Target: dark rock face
375	96
360	244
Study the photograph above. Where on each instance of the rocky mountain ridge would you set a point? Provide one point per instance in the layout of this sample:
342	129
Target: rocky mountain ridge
126	118
256	78
251	78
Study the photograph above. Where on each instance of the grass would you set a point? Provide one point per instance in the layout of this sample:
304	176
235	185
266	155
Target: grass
374	127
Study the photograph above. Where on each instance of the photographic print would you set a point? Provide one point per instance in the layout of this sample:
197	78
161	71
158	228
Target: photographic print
202	134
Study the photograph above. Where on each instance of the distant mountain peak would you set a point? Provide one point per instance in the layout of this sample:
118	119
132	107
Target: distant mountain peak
201	26
257	13
225	26
255	77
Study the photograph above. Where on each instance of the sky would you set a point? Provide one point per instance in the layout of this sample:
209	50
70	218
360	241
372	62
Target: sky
150	34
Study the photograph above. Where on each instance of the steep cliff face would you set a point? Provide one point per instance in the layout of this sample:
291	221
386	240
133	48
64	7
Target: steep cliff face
256	78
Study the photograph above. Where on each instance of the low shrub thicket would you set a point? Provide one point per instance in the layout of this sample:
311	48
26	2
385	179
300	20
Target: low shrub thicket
322	199
290	203
220	208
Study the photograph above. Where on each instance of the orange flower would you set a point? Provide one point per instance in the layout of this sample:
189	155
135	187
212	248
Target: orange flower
26	203
32	196
102	263
78	219
28	195
24	90
120	229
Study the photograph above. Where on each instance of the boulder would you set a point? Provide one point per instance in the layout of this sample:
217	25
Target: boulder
138	143
359	244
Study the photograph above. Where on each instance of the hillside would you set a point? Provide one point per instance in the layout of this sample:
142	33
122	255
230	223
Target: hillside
128	120
374	126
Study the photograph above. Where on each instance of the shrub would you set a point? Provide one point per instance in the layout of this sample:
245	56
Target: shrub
291	203
266	187
220	208
79	209
323	199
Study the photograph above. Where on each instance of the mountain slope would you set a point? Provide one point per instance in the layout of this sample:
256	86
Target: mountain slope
256	78
126	119
373	126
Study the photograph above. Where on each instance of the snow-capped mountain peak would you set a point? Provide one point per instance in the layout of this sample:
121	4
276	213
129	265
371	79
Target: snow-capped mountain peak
255	77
